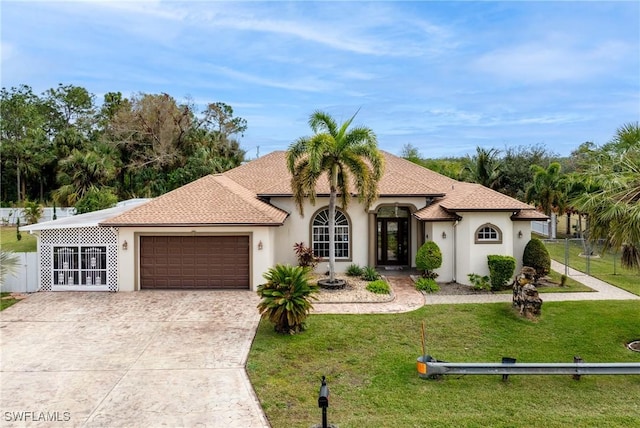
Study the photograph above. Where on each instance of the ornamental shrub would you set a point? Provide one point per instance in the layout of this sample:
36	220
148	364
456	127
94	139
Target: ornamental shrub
480	283
428	285
370	274
379	287
286	297
536	256
354	270
501	269
305	255
429	258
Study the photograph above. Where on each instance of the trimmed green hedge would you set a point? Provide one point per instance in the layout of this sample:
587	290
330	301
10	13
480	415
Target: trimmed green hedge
501	269
537	256
429	258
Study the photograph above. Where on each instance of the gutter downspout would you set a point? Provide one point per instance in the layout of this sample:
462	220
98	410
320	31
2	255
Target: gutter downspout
455	251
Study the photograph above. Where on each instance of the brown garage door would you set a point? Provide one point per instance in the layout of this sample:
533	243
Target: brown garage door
194	262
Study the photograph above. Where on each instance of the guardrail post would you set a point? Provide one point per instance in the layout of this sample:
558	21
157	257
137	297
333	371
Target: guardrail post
577	360
507	360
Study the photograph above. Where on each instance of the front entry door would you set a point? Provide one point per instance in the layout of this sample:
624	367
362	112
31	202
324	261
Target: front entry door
393	241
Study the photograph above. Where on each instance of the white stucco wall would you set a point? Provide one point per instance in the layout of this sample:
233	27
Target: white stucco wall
472	257
518	242
297	228
446	243
128	260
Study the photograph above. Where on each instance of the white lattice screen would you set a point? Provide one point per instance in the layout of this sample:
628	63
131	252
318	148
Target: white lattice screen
84	236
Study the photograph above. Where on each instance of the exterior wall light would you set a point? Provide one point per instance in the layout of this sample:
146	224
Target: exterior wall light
125	245
444	235
260	245
520	234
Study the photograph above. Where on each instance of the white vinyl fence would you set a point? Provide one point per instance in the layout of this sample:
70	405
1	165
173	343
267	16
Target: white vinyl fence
546	228
9	216
26	278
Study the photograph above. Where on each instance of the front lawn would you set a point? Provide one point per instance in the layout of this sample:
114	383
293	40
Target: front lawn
6	300
9	240
369	361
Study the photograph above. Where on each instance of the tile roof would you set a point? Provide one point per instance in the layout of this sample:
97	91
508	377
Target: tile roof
214	199
463	197
234	197
269	176
529	215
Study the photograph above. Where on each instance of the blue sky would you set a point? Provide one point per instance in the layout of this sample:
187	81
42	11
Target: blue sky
443	76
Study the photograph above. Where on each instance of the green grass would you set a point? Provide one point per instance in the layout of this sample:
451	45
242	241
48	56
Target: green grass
6	302
369	361
9	241
601	268
571	286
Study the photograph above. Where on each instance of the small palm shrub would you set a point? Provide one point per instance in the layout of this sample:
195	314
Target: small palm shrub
286	297
305	255
32	211
429	258
370	273
537	256
354	270
379	287
480	283
428	285
501	269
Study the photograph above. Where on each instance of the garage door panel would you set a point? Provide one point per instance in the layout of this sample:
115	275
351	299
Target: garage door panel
194	262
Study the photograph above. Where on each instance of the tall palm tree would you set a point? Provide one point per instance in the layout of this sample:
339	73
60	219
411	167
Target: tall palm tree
614	210
346	157
483	168
547	188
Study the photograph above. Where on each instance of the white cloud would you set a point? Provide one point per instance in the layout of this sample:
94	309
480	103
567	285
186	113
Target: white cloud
304	84
549	61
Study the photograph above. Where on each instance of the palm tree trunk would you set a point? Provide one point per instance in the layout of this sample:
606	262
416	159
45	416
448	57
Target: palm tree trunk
332	223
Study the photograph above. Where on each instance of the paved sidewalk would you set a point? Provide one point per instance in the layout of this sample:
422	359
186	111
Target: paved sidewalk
408	299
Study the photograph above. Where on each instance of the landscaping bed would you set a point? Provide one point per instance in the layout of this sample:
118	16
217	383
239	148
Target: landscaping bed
354	292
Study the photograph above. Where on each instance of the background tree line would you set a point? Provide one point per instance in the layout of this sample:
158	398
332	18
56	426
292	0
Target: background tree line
61	147
600	184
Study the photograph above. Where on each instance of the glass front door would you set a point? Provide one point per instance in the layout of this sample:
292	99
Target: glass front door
393	241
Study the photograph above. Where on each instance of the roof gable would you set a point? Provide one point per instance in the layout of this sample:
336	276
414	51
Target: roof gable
214	199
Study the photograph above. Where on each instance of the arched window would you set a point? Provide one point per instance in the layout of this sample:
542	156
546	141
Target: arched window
320	234
488	234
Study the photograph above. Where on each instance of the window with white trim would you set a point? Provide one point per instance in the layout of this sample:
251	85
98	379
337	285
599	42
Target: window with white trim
79	265
320	234
488	234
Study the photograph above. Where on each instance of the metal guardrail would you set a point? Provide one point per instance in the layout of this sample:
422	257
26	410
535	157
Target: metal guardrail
430	368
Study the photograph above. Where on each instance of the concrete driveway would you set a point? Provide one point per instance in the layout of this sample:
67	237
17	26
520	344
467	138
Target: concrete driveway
143	359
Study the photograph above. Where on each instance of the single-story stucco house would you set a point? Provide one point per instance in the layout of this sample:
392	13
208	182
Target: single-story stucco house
225	230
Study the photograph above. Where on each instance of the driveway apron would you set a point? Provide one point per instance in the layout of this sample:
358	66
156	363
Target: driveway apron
144	359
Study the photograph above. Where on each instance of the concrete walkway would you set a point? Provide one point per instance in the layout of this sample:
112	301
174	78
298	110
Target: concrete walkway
408	299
